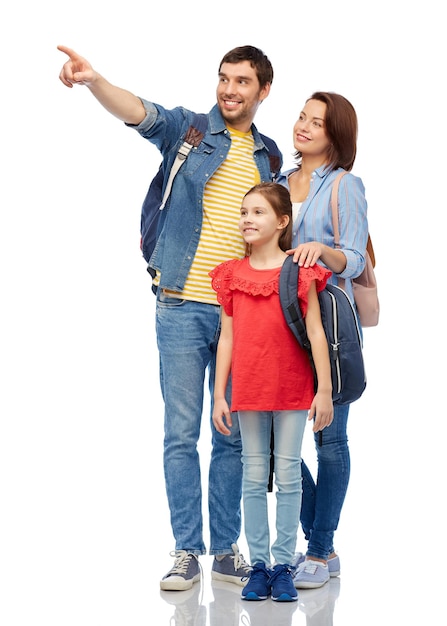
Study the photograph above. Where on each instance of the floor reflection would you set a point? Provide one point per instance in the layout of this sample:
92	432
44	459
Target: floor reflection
318	604
188	606
226	608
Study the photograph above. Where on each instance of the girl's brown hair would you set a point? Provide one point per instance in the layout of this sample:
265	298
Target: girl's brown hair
278	197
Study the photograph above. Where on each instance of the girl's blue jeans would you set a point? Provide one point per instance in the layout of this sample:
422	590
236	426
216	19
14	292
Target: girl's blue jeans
288	429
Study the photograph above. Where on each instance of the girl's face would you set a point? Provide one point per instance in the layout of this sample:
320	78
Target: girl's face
259	223
309	131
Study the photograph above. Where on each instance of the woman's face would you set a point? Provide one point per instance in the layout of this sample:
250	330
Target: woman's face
309	131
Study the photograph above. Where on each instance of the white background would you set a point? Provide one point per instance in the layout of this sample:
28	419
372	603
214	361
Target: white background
84	525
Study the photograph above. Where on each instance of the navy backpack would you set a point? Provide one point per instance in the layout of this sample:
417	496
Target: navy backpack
340	326
155	200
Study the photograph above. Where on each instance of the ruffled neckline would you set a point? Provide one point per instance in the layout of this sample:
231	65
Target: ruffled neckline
253	281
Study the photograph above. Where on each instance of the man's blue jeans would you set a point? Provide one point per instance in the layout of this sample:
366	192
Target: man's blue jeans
322	501
187	336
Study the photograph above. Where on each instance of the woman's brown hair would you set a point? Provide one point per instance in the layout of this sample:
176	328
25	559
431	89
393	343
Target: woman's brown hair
341	129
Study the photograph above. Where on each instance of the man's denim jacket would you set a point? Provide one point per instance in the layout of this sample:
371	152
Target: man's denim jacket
181	221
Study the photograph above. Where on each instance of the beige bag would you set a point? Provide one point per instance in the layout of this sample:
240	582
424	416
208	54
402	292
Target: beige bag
364	286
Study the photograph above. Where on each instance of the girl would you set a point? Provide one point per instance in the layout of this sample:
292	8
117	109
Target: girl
325	141
272	381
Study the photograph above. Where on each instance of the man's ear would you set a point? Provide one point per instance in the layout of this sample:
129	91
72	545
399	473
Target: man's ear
264	92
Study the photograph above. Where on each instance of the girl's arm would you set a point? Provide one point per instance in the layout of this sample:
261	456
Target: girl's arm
221	411
321	410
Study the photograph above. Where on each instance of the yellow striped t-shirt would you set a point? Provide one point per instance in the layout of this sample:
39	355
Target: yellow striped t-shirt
220	238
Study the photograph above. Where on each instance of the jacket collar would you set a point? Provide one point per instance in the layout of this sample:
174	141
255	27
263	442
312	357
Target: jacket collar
217	125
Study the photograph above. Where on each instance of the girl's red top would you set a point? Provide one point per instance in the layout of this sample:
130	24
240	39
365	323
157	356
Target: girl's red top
270	371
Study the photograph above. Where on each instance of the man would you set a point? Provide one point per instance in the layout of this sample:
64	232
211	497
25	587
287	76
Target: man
200	230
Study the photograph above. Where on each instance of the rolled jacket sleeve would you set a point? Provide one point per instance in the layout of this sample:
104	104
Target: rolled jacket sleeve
353	224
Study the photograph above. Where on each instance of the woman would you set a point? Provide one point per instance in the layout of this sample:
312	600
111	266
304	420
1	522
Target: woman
325	141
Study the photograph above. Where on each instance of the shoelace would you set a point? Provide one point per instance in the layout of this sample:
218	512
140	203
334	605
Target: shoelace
253	572
280	572
182	560
240	563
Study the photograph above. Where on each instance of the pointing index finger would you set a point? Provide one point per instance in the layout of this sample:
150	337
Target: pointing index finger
69	52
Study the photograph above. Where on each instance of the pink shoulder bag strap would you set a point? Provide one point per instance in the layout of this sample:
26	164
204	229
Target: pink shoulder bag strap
364	286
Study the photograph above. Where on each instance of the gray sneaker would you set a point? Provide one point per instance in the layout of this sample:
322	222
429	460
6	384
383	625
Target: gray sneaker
231	568
184	573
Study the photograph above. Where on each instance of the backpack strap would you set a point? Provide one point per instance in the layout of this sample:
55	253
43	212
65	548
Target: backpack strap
193	137
288	295
334	206
275	156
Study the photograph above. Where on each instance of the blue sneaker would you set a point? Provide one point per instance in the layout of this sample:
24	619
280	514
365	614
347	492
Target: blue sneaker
281	581
258	585
311	575
333	563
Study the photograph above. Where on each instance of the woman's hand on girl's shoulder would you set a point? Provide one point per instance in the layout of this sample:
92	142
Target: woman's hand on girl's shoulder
307	254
